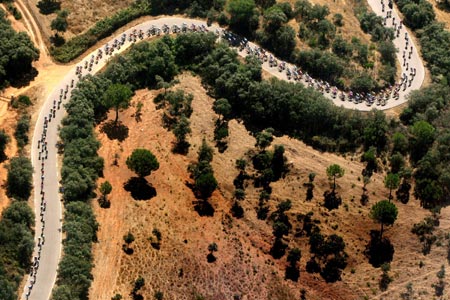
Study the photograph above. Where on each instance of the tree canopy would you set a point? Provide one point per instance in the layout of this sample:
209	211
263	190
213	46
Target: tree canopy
142	162
17	52
385	213
117	96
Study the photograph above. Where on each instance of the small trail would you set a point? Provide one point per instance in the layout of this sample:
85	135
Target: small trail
33	31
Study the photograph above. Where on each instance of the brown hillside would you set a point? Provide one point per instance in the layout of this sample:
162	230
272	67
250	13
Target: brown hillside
243	267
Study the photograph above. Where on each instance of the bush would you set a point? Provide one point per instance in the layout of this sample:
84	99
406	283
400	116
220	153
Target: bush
47	7
22	128
19	178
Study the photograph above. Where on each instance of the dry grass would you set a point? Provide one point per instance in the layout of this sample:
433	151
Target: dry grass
243	266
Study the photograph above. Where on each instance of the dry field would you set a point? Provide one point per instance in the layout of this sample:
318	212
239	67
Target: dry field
243	267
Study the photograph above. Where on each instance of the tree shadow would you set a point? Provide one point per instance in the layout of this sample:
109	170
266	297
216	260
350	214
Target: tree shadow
115	131
203	208
139	188
211	258
24	79
127	249
379	251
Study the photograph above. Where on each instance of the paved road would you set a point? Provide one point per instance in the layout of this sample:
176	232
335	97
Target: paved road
43	278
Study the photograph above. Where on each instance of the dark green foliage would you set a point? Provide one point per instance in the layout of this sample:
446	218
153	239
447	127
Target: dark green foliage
373	24
423	134
292	271
338	20
375	131
191	48
22	128
79	44
74	276
19	178
60	23
142	63
320	64
14	11
48	6
402	193
105	190
400	143
363	83
385	279
197	8
330	256
142	162
16	247
391	182
433	40
385	213
204	181
370	157
4	140
417	14
281	227
379	251
276	35
424	230
341	47
117	96
18	53
288	108
243	15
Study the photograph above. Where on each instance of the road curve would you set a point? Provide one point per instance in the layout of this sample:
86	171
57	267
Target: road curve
46	176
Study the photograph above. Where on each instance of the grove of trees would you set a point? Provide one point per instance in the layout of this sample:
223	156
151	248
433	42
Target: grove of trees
17	52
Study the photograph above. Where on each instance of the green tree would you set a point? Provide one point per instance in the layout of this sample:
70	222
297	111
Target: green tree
335	171
60	23
400	143
212	248
375	131
4	140
48	6
422	137
128	239
243	15
391	182
138	284
117	96
206	184
385	213
19	178
292	271
181	130
274	17
338	20
105	190
222	107
264	138
22	128
142	162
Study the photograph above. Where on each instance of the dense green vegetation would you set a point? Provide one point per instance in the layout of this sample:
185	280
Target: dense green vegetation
79	44
19	179
17	52
80	170
16	247
4	140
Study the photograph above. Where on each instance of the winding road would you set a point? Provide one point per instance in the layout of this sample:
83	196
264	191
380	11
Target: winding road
48	206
